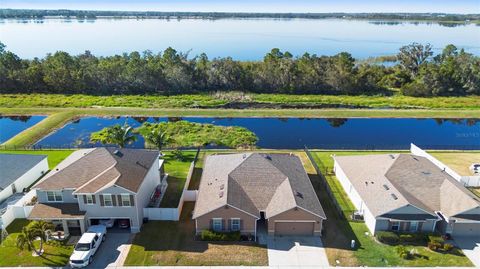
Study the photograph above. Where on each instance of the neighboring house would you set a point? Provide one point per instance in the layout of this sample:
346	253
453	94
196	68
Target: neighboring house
99	183
243	192
406	192
20	171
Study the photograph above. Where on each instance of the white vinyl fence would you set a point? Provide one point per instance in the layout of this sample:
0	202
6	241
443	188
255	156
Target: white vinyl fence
468	181
18	210
174	213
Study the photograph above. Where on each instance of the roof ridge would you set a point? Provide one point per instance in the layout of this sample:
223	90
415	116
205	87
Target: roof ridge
97	176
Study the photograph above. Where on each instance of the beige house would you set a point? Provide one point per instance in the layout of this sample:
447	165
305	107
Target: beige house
246	192
406	192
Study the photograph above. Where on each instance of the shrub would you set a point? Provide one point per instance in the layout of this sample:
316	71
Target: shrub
388	237
403	253
208	235
447	247
435	246
435	238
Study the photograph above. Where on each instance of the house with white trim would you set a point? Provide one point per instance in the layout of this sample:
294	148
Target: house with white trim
252	191
407	192
99	183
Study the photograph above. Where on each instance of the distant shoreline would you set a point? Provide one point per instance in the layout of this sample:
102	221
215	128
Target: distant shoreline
97	14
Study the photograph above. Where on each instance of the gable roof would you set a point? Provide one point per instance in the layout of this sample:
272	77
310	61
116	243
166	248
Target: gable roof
255	182
409	180
13	166
89	171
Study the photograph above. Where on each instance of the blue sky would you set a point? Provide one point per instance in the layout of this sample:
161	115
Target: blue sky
447	6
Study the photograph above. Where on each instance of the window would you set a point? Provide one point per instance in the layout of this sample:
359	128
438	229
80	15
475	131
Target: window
235	224
217	224
54	196
126	200
395	226
89	199
414	226
107	200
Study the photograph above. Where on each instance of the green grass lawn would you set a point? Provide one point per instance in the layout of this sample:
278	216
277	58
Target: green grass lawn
476	191
11	256
177	175
171	243
54	156
369	251
217	100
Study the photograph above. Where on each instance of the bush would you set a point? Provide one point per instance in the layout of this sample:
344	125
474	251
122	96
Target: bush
208	235
435	246
390	238
435	238
447	247
403	253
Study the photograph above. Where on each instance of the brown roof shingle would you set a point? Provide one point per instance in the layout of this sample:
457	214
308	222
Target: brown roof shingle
255	182
96	168
56	211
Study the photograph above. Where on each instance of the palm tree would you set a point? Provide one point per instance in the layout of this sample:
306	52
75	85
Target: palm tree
117	135
36	229
156	138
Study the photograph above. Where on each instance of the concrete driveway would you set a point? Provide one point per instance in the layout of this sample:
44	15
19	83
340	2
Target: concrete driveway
112	252
290	251
471	247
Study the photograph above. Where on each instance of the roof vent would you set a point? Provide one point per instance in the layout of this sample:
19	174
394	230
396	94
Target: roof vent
426	173
394	196
141	165
366	183
415	158
222	186
244	156
386	187
220	194
371	182
268	157
118	153
298	194
391	156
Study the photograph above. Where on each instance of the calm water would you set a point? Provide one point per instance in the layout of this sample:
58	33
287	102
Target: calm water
12	125
243	39
315	133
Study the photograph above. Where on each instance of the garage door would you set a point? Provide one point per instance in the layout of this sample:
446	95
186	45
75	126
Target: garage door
466	229
294	228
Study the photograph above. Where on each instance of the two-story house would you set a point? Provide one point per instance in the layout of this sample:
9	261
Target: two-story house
99	183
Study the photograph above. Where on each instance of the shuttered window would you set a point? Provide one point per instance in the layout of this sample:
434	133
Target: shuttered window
89	199
217	224
125	200
235	224
107	200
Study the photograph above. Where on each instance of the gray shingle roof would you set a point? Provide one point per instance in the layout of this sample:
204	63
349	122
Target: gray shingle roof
255	182
413	179
12	166
92	169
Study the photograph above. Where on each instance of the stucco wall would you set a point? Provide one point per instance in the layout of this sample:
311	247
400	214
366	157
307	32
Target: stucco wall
25	180
348	187
98	211
296	215
248	222
66	194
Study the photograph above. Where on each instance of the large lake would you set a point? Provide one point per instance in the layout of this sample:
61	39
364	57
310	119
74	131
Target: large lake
294	133
243	39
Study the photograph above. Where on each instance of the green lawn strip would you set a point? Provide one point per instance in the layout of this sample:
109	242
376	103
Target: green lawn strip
285	113
370	252
177	175
39	130
476	191
172	243
54	156
218	100
11	256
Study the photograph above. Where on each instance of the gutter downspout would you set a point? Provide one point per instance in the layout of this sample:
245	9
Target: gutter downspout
256	230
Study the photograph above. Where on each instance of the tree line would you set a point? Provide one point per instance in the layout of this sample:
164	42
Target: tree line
416	72
92	14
